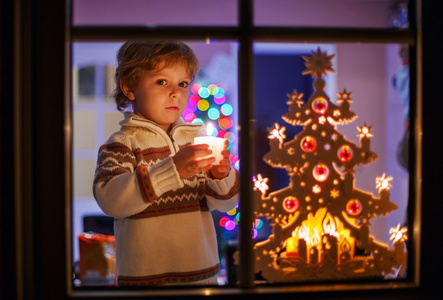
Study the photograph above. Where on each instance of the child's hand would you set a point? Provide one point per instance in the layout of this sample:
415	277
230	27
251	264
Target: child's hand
222	170
188	160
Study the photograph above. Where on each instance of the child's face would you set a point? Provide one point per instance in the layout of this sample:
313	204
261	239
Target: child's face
162	95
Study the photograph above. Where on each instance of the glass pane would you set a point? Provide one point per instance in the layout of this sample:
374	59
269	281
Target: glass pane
212	100
155	13
331	13
330	183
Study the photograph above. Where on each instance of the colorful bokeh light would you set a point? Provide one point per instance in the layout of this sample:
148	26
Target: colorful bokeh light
227	109
203	105
213	113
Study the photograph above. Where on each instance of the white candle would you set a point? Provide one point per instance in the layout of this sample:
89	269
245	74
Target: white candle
215	144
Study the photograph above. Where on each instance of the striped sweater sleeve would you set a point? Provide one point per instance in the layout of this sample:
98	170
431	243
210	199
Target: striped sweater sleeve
124	187
223	194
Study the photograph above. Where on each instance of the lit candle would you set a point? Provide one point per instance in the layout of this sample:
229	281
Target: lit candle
215	144
302	247
329	240
329	248
346	249
313	251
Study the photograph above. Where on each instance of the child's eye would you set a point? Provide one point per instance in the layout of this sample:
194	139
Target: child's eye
161	82
183	84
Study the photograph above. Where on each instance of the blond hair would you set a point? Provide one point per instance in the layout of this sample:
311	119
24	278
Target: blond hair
135	58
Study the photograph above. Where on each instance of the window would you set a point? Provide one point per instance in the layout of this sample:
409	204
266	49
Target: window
253	50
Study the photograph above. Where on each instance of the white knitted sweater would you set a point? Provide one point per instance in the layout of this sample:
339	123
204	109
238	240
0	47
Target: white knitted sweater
163	227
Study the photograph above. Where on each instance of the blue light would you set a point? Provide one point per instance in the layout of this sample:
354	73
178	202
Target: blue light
204	92
227	109
213	113
198	121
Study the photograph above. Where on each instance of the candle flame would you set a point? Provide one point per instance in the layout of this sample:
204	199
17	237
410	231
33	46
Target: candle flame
302	232
209	129
329	225
315	239
345	246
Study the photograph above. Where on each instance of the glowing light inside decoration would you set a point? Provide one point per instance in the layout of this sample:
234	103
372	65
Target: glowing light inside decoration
345	153
398	234
254	233
260	183
353	207
308	234
308	144
344	97
213	113
364	131
329	225
335	193
277	133
320	106
290	204
383	183
227	109
320	172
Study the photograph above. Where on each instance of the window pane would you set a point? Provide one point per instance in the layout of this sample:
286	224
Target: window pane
330	175
155	13
331	13
212	100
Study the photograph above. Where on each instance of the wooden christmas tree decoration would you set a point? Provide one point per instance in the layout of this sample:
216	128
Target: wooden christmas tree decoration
320	220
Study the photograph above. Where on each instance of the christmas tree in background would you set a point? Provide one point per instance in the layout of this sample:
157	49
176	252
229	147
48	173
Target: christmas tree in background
321	221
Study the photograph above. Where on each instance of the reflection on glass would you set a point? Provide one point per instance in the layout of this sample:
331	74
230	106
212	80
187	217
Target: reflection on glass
325	13
155	13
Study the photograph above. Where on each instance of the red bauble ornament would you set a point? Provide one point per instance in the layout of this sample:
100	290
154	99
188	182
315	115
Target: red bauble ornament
290	204
320	172
353	207
345	153
320	106
308	144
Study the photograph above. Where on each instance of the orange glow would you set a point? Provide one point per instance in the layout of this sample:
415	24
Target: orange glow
322	223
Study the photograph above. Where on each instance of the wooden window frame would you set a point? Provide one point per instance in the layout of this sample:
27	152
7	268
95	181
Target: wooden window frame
41	139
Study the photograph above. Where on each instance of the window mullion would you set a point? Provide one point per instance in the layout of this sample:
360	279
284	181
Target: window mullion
246	133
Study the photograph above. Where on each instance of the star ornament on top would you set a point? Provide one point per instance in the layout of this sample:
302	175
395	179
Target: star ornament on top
318	64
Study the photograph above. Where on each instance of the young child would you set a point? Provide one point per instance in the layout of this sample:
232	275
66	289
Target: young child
153	180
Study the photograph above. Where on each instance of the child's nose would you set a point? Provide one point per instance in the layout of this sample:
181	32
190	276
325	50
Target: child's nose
173	93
